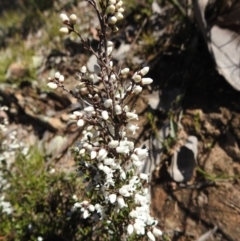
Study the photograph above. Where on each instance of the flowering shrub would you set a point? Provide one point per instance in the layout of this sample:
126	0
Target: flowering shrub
117	204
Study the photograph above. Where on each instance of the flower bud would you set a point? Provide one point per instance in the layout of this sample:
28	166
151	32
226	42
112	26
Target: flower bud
137	89
80	123
57	75
130	229
72	117
83	70
89	109
137	78
151	236
112	2
144	176
121	202
119	4
112	20
64	30
52	85
115	29
146	81
144	70
113	77
120	10
113	144
157	232
73	19
61	79
64	18
112	198
93	154
111	9
105	115
118	16
78	114
125	71
109	50
118	109
108	103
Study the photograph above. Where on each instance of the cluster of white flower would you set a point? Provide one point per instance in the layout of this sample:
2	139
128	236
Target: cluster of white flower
108	161
114	10
5	206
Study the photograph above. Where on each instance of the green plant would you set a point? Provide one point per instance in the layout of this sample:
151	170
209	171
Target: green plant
116	201
41	200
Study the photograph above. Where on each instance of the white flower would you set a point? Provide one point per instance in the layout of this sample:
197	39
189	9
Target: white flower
124	191
113	144
82	151
80	123
112	2
144	71
112	198
93	154
52	85
5	206
113	78
57	75
157	232
64	30
109	43
130	229
64	18
111	9
122	149
132	115
108	161
132	128
73	19
118	16
141	153
119	4
78	114
137	89
112	20
134	157
139	227
146	81
121	202
102	154
89	109
61	79
104	115
151	236
77	205
52	171
121	10
100	166
86	214
91	208
83	69
74	197
123	175
125	71
118	109
107	170
136	77
144	176
39	238
108	103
